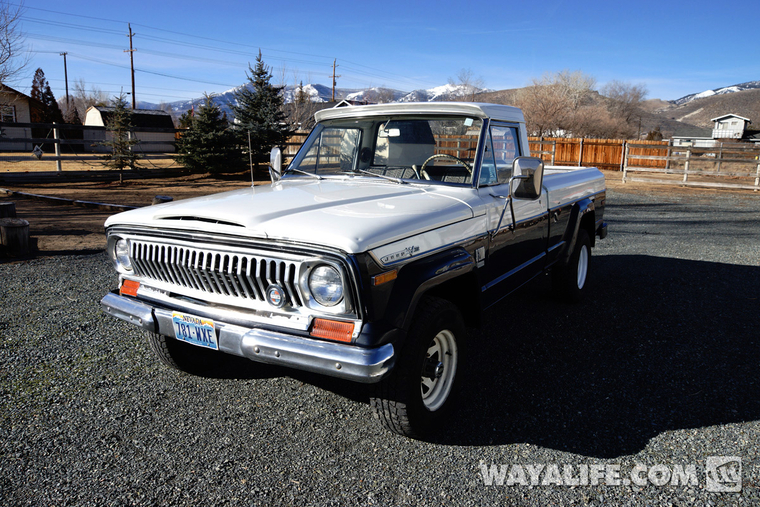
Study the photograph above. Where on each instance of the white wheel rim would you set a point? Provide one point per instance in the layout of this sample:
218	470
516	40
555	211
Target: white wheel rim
442	349
582	266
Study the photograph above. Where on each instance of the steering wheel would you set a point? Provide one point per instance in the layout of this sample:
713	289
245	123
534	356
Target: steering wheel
442	155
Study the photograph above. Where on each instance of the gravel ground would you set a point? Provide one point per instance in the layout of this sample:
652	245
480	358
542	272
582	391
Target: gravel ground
658	366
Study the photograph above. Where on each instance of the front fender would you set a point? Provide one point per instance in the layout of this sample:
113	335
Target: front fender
413	281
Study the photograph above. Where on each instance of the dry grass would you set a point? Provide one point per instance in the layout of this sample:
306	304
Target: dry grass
19	162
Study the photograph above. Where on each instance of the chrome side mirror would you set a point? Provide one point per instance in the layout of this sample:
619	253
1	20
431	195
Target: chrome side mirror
275	164
529	174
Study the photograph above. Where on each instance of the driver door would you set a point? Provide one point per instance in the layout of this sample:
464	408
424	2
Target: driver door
515	254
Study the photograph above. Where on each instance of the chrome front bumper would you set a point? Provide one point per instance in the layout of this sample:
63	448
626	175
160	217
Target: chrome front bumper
337	360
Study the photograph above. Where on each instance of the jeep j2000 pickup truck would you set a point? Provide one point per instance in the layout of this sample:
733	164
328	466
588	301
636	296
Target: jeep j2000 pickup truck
367	258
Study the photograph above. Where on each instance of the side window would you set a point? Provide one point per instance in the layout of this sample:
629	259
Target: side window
8	113
506	148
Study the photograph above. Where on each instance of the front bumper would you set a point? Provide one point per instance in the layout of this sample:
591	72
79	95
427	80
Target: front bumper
333	359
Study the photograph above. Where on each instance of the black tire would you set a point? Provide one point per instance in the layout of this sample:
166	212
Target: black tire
183	356
570	281
421	389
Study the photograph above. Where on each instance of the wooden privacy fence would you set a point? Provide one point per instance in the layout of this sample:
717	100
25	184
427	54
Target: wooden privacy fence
601	153
729	165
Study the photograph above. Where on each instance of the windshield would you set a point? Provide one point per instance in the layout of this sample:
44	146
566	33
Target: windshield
435	149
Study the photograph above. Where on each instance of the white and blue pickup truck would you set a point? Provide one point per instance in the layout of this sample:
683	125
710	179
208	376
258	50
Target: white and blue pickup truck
368	258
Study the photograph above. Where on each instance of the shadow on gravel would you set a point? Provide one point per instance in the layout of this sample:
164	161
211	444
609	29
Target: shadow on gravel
659	344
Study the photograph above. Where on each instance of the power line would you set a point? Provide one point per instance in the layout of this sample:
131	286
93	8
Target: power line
381	74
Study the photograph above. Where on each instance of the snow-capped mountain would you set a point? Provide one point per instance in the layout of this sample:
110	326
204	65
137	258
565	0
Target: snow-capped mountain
718	91
321	93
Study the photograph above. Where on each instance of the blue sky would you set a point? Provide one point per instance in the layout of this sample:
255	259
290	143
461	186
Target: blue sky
186	48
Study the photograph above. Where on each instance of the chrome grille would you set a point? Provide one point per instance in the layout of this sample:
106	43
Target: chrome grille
234	275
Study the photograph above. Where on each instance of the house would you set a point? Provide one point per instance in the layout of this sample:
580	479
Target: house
143	120
729	126
16	107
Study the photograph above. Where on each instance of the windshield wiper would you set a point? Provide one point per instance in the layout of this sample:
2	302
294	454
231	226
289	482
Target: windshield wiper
303	172
396	180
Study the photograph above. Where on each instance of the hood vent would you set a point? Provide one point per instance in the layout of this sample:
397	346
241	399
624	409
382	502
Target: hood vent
201	219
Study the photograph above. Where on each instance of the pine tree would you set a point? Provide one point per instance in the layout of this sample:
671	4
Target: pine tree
301	96
119	125
258	110
53	110
41	92
72	116
38	87
186	119
209	144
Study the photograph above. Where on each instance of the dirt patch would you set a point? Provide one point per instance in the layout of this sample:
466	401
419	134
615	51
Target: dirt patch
58	228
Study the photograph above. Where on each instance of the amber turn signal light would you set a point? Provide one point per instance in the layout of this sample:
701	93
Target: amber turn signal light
129	287
332	330
384	277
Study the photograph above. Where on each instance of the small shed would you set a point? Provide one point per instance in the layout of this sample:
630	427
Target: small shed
692	136
161	140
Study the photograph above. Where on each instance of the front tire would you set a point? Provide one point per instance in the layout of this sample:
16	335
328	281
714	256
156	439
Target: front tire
420	390
183	356
569	281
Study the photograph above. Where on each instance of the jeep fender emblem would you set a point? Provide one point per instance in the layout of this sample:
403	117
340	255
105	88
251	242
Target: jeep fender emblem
402	254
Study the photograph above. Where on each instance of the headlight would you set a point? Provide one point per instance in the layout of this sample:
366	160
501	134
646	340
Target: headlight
121	254
326	285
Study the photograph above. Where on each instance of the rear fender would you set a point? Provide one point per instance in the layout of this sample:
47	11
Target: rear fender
578	214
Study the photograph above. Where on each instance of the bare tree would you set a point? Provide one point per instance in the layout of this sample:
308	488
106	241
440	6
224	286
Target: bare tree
300	112
13	58
466	86
565	104
378	95
549	105
625	102
83	99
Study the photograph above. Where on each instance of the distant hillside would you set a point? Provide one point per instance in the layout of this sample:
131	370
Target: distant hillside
699	111
671	117
749	85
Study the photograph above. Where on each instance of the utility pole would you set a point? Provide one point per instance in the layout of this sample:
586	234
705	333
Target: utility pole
333	79
132	64
66	77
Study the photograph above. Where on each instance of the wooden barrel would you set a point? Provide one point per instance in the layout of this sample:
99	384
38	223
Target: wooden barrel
7	210
14	236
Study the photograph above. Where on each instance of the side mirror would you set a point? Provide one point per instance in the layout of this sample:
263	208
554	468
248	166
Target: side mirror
529	174
275	164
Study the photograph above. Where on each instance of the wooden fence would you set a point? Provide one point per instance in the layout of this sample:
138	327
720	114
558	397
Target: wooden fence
601	153
729	165
32	145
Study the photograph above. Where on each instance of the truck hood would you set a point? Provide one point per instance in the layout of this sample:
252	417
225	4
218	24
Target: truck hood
353	215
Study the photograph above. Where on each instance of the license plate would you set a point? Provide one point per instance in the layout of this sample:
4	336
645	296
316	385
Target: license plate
195	330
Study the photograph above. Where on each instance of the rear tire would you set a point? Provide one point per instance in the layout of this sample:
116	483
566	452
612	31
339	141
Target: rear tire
420	390
569	281
183	356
